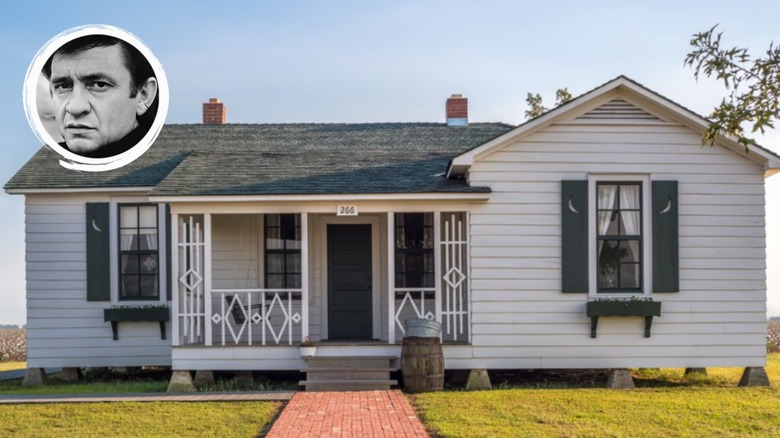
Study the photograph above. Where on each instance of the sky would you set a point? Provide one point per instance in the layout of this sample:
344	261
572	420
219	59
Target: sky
364	61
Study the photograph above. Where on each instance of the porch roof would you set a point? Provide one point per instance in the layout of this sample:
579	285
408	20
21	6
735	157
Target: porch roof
279	159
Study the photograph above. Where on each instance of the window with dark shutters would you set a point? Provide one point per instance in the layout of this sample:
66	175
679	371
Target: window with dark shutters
619	235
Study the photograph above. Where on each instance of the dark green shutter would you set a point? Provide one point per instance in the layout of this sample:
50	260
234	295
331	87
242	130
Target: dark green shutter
98	255
574	245
168	250
666	260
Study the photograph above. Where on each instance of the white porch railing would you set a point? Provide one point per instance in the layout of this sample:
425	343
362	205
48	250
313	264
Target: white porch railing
256	316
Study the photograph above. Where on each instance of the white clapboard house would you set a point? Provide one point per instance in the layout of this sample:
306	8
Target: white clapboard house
530	243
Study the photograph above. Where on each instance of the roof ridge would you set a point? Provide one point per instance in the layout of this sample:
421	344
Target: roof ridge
333	124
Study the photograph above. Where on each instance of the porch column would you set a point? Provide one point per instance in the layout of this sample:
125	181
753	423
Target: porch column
304	276
206	278
174	239
391	277
437	259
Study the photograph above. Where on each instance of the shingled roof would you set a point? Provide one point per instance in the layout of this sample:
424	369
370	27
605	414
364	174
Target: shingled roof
279	159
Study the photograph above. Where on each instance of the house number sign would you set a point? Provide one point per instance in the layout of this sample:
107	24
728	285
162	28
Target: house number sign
347	210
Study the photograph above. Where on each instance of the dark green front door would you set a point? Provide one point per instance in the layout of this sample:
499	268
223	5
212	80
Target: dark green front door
349	282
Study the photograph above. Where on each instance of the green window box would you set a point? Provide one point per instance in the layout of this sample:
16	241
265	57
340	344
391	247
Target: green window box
647	309
115	315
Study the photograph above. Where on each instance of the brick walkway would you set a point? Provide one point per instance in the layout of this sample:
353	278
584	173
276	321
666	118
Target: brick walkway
348	414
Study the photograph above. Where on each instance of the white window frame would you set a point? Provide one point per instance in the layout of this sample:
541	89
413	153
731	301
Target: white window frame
647	234
162	251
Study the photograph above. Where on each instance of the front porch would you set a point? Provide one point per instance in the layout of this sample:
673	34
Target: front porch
273	279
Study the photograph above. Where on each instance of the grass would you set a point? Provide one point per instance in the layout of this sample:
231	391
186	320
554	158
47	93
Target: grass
11	366
57	387
146	381
131	419
665	404
233	419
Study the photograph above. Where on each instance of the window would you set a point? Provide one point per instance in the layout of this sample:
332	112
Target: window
138	253
414	264
283	251
619	236
619	233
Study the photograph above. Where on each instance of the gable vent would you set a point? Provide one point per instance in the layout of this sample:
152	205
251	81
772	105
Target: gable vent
617	110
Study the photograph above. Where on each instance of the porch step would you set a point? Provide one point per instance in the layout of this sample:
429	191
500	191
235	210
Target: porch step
348	373
348	385
337	374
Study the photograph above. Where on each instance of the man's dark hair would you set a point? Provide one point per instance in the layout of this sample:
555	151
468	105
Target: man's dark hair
135	62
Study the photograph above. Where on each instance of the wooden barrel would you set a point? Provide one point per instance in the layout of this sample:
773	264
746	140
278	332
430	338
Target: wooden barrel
422	364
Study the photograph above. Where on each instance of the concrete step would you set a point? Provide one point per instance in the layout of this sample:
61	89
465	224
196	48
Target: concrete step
349	361
338	374
348	385
347	370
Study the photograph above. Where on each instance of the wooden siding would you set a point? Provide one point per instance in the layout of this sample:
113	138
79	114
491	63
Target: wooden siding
63	329
521	319
237	251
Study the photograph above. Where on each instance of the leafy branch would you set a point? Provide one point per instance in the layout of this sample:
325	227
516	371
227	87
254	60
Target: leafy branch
753	86
536	108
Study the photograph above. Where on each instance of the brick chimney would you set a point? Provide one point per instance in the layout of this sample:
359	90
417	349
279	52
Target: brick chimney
457	110
214	112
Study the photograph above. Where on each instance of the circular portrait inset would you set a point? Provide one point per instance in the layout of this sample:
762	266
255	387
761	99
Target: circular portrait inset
97	96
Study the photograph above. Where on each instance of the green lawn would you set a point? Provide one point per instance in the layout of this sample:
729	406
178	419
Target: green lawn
665	404
126	419
233	419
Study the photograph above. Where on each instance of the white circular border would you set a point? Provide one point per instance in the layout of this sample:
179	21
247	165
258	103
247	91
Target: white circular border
75	161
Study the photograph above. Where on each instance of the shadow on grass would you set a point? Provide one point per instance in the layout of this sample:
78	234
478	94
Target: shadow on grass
589	378
149	380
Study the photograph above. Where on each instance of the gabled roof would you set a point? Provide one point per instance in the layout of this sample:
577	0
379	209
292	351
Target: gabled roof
279	159
624	88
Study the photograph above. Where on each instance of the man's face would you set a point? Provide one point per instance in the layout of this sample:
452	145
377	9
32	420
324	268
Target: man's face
91	91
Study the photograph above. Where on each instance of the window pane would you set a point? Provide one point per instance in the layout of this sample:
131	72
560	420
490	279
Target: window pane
400	262
629	251
427	280
608	264
294	244
129	264
400	280
129	286
414	279
294	281
273	238
128	240
428	238
630	224
400	238
606	225
272	220
148	214
629	276
147	241
149	264
293	263
149	286
275	263
607	199
128	217
629	197
428	261
274	281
